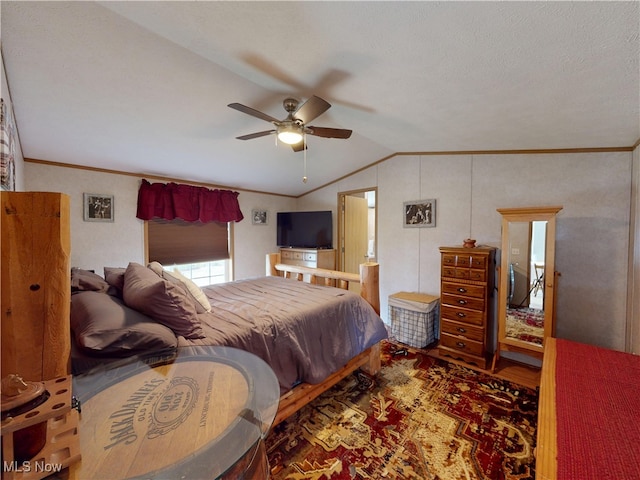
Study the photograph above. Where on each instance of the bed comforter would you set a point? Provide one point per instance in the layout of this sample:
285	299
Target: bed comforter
304	332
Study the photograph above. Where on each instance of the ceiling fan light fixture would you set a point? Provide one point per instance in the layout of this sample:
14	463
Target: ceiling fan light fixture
293	130
290	135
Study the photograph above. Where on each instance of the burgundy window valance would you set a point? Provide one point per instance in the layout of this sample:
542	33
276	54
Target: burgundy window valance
187	202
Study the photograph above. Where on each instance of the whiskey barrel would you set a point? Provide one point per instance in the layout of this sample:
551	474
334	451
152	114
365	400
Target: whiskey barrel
193	416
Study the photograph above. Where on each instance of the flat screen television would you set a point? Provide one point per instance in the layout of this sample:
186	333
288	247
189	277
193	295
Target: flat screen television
305	229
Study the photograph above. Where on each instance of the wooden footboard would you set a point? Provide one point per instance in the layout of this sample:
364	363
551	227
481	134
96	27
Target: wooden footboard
369	277
369	360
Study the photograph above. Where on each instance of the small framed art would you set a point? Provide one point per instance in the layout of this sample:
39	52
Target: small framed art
98	207
259	217
421	213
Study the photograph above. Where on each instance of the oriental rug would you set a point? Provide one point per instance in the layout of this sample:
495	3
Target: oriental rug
526	324
420	418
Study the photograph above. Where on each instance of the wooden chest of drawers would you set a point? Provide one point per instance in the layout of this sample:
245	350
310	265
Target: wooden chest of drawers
309	257
467	276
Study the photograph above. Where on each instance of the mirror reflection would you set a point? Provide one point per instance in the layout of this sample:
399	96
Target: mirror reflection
525	300
527	279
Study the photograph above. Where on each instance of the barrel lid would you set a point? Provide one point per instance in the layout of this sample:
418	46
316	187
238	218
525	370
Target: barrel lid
190	416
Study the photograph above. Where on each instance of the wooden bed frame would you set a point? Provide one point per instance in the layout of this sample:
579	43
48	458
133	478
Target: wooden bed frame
369	360
600	439
547	446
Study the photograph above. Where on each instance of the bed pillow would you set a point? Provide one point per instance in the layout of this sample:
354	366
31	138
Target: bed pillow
162	300
104	325
197	295
86	280
114	276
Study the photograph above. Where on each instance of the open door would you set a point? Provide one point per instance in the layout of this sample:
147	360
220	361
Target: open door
356	229
355	233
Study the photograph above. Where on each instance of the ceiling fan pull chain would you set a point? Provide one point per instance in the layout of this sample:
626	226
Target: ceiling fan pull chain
304	140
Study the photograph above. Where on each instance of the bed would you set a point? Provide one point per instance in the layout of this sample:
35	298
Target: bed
305	323
588	420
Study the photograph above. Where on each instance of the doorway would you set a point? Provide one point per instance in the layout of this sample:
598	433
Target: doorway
357	220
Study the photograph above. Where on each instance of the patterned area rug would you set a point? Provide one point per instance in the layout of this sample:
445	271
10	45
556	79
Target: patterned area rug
526	324
422	418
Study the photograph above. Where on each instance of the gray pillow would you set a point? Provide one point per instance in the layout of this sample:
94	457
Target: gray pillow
86	280
115	278
191	289
103	325
162	300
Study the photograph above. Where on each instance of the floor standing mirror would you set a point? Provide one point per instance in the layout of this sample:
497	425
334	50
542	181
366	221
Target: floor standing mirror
526	300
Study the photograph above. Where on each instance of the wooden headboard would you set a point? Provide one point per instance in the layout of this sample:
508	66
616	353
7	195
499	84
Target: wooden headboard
36	285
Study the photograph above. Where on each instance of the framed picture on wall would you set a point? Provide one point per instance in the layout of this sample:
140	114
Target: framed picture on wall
420	213
98	207
259	217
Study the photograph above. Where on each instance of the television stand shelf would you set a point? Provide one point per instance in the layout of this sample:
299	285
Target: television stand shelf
309	257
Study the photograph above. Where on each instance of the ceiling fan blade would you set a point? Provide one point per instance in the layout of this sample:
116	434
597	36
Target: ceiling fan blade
329	132
253	112
300	146
256	135
311	109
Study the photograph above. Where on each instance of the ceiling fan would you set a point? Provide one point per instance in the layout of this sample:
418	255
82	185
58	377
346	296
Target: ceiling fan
292	129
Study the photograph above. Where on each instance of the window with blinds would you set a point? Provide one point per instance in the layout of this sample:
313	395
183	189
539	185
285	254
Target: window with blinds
178	242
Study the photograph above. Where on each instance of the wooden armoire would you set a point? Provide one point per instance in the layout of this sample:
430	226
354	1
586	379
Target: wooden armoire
36	285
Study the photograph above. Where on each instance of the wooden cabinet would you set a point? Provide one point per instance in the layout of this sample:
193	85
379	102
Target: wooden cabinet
467	276
36	285
309	257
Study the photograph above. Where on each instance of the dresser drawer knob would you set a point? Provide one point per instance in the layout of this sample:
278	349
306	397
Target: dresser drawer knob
461	315
462	290
462	330
460	344
462	302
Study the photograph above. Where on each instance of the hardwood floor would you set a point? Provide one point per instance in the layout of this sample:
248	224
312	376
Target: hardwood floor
510	370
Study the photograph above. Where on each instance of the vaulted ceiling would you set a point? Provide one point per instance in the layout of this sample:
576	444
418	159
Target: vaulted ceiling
144	86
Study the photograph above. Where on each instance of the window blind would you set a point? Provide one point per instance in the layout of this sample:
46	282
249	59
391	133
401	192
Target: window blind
179	242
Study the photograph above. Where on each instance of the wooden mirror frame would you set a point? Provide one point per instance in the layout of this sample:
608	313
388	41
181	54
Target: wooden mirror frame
527	214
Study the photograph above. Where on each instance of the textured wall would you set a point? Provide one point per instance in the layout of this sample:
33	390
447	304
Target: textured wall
592	250
95	245
592	229
633	329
